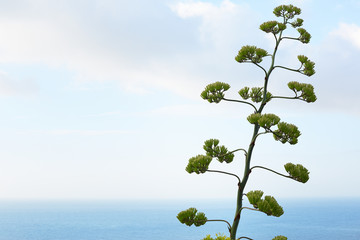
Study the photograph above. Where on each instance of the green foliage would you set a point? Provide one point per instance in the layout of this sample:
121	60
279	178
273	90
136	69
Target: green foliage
297	172
270	206
254	197
280	238
198	164
306	65
251	54
287	11
191	216
286	133
267	205
297	23
218	237
214	92
220	152
304	35
244	93
254	118
273	27
256	94
306	91
266	120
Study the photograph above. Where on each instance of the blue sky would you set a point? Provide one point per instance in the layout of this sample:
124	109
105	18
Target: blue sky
100	99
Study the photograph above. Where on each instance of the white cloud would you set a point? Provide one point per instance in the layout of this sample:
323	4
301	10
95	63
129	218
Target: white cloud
217	21
96	49
140	52
204	9
349	33
10	86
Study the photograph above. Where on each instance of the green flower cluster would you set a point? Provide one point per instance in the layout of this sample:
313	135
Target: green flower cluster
256	94
251	54
254	197
213	149
266	205
297	23
218	237
287	133
306	65
280	238
273	27
297	172
287	11
304	35
191	216
198	164
266	120
214	92
306	91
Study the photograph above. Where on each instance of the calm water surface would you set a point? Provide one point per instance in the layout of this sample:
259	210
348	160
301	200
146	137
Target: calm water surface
321	219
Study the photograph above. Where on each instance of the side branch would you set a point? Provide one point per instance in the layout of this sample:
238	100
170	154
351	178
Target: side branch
268	169
292	98
290	69
249	61
246	238
291	38
220	220
261	133
239	101
239	149
261	68
254	209
227	173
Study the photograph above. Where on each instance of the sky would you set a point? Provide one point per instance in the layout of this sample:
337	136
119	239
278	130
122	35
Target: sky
101	99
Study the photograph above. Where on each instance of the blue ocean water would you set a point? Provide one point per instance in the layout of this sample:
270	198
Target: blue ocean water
321	219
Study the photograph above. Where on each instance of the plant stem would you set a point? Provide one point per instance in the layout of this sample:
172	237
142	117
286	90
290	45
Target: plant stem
247	169
243	184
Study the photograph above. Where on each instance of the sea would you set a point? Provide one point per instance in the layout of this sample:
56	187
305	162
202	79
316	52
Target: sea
320	219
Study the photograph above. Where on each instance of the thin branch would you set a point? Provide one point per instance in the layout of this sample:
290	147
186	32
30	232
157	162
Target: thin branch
292	98
220	220
239	101
287	176
260	67
246	238
239	149
231	152
256	136
254	209
261	134
276	39
258	64
285	97
290	69
227	173
291	38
